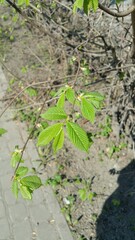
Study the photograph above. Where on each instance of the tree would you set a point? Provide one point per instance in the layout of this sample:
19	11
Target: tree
87	103
86	6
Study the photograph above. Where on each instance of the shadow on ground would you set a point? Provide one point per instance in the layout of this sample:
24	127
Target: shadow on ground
117	220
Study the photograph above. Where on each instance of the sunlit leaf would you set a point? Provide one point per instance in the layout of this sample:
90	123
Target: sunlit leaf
91	195
48	134
83	194
61	101
54	113
94	5
88	110
78	4
58	141
70	95
94	96
32	182
15	189
25	192
22	171
16	157
77	136
2	131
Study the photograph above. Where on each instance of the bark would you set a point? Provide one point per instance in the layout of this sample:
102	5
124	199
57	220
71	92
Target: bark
133	30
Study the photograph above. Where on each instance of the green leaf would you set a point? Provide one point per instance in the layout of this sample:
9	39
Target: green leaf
68	217
88	111
48	134
16	157
60	91
94	96
32	182
26	192
78	4
22	171
119	1
21	2
58	141
94	5
91	195
2	131
87	5
27	2
77	136
70	95
83	194
15	189
90	4
61	101
31	92
54	113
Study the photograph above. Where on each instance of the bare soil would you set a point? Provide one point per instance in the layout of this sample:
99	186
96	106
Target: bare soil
33	57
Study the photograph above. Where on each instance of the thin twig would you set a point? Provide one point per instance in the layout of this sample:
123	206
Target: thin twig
29	137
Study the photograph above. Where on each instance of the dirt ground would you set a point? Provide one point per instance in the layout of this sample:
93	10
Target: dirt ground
32	58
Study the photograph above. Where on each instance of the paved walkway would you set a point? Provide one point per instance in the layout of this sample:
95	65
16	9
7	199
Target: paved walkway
39	219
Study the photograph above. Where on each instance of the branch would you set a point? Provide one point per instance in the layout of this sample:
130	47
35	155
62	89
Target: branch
14	6
116	14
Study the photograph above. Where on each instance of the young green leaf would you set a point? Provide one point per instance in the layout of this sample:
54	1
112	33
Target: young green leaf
88	111
48	134
87	5
2	131
26	192
90	4
15	158
27	2
77	136
83	194
61	101
54	113
15	188
31	92
94	96
91	195
70	95
78	4
58	141
22	171
60	91
32	182
94	5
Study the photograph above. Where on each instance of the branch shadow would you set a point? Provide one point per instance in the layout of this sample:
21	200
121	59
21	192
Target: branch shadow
117	219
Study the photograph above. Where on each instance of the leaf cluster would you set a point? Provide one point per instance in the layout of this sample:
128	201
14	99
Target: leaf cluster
86	5
23	183
26	185
87	103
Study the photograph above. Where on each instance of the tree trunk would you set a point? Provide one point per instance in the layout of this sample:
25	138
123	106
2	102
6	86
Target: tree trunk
133	30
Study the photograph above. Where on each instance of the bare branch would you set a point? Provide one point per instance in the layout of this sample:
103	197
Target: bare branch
14	6
117	14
